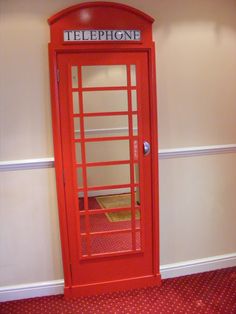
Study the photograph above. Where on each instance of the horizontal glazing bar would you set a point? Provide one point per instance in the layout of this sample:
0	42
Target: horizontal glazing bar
104	233
106	210
105	113
106	187
96	255
107	138
101	88
106	163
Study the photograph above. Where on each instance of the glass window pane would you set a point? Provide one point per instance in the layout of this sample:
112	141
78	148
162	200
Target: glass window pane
114	201
75	99
116	220
105	101
134	100
79	173
133	74
74	76
107	151
135	124
137	218
94	201
78	157
77	133
136	173
104	75
106	126
108	175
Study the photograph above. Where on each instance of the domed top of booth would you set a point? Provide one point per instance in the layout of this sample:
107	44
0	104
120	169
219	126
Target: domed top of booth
100	16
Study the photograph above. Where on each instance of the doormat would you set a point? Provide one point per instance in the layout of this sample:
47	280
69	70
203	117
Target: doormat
117	201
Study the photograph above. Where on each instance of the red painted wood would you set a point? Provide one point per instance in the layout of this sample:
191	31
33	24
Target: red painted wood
101	114
59	170
101	88
104	271
101	139
105	187
104	210
110	286
103	4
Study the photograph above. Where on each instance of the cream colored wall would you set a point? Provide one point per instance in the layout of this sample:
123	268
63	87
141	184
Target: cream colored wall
196	71
29	232
198	215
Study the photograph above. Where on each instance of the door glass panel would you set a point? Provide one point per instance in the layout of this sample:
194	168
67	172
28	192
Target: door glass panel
79	174
137	218
104	75
105	101
134	100
77	133
78	153
106	199
116	220
74	76
109	218
107	151
136	173
133	74
106	126
107	221
114	201
135	124
108	175
92	201
75	99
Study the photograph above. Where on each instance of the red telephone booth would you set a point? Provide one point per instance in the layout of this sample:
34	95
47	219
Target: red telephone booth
103	91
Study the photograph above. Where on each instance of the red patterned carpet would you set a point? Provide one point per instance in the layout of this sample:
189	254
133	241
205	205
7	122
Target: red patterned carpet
209	293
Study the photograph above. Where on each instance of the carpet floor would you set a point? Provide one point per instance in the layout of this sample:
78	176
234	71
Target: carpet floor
207	293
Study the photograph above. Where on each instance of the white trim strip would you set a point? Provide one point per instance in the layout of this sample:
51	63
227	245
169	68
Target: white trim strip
196	151
39	289
25	164
39	163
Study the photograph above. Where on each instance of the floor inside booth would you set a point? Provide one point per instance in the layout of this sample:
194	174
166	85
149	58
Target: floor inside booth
109	232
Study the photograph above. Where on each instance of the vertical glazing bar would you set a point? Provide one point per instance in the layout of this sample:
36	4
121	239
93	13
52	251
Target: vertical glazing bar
73	157
84	170
131	142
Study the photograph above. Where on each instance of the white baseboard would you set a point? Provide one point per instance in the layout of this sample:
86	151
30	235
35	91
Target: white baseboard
39	289
31	290
198	266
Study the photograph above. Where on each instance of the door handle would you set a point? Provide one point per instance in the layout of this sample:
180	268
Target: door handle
146	148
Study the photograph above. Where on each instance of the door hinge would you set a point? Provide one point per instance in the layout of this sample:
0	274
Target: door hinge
58	75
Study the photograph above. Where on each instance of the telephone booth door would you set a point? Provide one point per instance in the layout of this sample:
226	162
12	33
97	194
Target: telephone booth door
106	162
